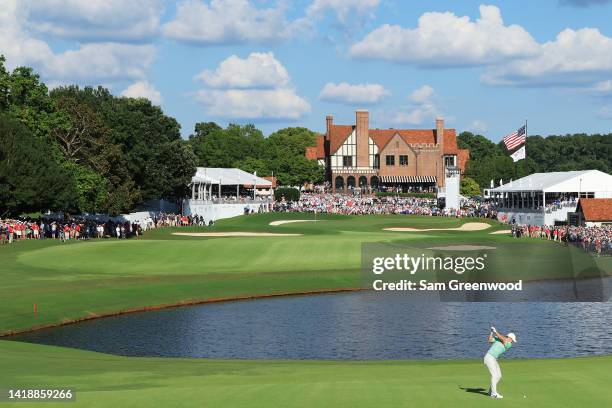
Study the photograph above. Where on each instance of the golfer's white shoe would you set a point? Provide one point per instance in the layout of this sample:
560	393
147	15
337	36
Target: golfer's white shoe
498	396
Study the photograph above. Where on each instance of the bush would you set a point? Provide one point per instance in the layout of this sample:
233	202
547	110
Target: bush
416	195
469	187
290	194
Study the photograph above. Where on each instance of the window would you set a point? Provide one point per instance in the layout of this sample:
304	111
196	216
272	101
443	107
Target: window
390	160
403	159
449	161
377	161
347	161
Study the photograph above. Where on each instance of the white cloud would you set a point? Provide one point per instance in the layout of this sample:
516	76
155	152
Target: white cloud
478	126
254	103
575	57
605	112
422	108
91	63
345	10
258	70
602	88
422	94
265	91
95	20
444	39
100	62
230	22
143	89
350	94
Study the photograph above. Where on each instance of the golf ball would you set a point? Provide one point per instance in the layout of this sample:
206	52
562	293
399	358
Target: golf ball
524	396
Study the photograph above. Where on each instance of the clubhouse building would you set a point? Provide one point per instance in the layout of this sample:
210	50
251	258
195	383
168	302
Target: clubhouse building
356	156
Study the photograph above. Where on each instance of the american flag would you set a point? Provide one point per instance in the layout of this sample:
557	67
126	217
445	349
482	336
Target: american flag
515	138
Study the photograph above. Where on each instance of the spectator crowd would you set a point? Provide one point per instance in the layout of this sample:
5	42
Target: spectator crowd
597	239
79	228
330	203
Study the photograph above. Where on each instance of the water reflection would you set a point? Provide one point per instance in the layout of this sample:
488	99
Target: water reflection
361	325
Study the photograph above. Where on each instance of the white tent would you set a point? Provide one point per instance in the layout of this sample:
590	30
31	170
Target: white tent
582	181
547	198
228	177
206	178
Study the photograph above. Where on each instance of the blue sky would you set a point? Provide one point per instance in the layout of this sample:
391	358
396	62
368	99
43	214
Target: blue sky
485	67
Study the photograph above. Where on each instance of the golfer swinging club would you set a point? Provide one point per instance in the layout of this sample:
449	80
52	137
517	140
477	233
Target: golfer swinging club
500	344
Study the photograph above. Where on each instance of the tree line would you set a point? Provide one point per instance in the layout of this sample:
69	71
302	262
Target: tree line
491	161
85	150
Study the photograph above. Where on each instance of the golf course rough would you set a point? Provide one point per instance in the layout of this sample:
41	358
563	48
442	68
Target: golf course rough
80	279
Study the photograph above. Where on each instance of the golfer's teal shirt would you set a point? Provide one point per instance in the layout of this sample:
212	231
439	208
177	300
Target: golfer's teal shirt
498	348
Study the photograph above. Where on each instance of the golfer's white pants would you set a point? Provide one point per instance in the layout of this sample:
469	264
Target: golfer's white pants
496	375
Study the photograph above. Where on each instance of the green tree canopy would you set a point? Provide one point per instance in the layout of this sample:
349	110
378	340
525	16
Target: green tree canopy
30	180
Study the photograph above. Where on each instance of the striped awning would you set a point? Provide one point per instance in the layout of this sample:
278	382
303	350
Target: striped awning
408	179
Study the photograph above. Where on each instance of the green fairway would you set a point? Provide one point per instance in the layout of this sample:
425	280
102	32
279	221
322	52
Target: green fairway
86	279
81	279
102	380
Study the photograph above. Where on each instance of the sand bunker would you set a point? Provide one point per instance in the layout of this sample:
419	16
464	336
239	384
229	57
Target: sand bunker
501	232
462	247
233	234
281	222
469	226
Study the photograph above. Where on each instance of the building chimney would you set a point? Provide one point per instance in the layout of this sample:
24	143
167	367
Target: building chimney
329	119
440	132
362	130
440	142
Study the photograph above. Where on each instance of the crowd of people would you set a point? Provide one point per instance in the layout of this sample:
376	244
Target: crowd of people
597	239
13	230
79	228
350	204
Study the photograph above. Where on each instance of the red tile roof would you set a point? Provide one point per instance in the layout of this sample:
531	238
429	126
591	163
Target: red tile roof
596	209
320	146
317	151
311	152
339	133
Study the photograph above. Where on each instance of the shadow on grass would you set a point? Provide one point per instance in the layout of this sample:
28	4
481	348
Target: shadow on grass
479	390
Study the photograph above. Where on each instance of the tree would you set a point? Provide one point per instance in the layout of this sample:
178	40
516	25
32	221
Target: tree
253	165
227	147
173	169
469	187
80	131
30	180
285	151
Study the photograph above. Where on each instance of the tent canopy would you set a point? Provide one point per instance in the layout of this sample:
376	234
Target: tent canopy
560	181
228	177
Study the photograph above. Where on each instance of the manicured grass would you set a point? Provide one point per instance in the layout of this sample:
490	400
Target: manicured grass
110	381
70	281
77	279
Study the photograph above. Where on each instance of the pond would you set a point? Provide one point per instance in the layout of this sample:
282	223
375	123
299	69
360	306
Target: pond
357	325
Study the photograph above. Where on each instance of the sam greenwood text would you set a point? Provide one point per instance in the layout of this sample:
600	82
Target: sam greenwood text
421	263
424	285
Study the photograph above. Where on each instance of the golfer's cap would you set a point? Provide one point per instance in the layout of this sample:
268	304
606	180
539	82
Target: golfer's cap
512	336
